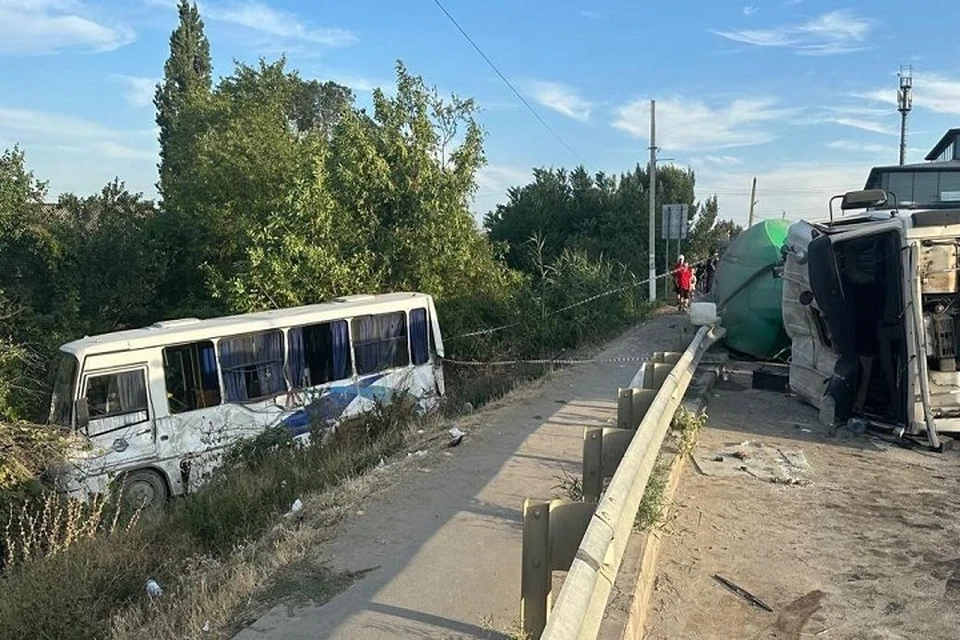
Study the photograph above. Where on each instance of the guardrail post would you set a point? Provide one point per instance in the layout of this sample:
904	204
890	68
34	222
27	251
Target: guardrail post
552	532
603	448
535	574
592	464
632	405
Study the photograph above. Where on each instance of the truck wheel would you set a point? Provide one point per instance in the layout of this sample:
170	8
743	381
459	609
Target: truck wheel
144	489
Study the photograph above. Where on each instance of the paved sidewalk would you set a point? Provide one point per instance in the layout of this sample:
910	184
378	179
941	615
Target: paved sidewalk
444	544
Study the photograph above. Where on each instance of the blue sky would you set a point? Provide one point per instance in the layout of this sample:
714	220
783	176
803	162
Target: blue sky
800	93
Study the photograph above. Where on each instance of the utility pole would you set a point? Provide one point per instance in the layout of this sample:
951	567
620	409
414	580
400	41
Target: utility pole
904	104
753	201
653	201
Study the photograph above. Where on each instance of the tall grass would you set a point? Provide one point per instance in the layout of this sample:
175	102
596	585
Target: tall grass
76	566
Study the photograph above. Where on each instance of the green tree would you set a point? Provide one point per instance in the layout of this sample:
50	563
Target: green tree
186	80
708	233
600	215
319	106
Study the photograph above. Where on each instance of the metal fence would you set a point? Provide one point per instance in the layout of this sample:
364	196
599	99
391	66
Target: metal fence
588	538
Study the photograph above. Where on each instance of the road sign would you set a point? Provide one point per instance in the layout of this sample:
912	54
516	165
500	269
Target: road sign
674	225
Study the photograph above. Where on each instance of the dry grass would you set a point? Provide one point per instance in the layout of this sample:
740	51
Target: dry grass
215	595
55	524
686	427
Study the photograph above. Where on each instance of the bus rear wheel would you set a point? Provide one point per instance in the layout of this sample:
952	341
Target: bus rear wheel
144	489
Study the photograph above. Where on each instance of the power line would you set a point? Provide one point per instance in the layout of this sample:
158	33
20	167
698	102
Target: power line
507	82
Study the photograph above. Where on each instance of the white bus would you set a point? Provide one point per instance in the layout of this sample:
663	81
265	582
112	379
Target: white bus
160	405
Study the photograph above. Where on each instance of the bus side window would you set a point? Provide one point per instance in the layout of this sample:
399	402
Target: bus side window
380	342
190	372
116	400
252	366
319	353
420	343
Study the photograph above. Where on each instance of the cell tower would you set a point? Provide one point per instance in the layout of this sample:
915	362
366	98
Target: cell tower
904	104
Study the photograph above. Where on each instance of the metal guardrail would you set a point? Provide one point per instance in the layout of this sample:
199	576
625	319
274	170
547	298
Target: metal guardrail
588	538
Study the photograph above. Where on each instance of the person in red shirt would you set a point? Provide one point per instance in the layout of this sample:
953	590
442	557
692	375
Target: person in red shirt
683	282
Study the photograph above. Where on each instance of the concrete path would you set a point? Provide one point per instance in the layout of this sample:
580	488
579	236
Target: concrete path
444	543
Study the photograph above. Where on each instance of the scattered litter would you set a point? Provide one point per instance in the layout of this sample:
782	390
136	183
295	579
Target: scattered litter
153	589
206	627
743	593
456	436
359	512
417	454
295	508
381	465
764	462
420	432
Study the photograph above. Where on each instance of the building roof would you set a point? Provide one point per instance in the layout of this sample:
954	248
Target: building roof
948	138
949	165
191	329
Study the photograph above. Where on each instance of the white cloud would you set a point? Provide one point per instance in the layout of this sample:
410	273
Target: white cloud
561	98
802	190
139	90
869	148
717	160
258	16
110	149
865	125
590	14
840	31
933	91
864	118
48	129
30	27
493	181
749	10
80	155
690	124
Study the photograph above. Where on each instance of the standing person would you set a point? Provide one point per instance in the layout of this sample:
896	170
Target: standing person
682	280
709	269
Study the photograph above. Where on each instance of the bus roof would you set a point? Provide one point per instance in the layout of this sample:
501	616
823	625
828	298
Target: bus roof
191	329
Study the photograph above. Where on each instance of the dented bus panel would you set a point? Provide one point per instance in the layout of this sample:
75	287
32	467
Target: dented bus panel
158	407
872	305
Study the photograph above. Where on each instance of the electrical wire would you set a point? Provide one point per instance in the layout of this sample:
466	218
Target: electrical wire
509	84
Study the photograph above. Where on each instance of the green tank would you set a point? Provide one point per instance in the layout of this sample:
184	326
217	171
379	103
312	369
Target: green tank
749	293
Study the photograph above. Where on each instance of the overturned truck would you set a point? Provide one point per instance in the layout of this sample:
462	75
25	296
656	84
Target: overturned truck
871	302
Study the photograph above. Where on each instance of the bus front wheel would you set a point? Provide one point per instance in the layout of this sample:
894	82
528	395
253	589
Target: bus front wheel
144	489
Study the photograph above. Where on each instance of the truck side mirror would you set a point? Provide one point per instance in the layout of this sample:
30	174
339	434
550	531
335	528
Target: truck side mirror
83	413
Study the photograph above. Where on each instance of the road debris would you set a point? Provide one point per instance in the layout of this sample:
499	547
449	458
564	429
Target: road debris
417	454
762	461
153	589
295	508
743	593
456	436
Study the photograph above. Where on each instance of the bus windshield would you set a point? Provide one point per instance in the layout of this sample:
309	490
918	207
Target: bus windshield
61	407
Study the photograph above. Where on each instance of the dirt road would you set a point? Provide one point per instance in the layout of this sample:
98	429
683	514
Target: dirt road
441	548
869	549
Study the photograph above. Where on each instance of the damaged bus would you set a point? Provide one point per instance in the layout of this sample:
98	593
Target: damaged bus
159	406
871	302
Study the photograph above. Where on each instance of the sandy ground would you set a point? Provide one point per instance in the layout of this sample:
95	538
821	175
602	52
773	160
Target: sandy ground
869	549
441	548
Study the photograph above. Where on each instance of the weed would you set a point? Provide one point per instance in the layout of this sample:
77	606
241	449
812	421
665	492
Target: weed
653	504
570	485
686	426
